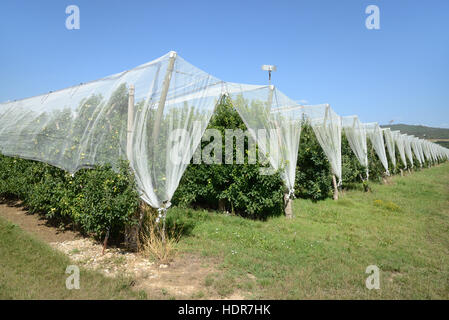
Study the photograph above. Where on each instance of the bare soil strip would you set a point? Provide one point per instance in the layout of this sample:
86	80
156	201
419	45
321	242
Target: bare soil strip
183	278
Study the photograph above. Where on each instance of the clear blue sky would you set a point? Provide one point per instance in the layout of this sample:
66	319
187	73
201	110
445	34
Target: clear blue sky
323	50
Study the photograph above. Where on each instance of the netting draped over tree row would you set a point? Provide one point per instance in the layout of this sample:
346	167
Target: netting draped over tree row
326	125
427	151
374	133
415	149
408	149
390	145
400	145
155	115
356	135
91	124
274	121
419	150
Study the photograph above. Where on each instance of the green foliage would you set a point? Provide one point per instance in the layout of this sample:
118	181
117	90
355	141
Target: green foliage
313	174
352	170
94	200
106	200
240	187
376	169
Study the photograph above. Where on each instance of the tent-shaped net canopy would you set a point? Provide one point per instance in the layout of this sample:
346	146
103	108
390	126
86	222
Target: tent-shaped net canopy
326	125
390	145
415	148
356	135
155	115
408	148
274	121
91	124
374	133
421	150
398	139
427	150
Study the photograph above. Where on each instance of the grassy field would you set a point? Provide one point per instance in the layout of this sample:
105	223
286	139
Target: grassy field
30	269
322	253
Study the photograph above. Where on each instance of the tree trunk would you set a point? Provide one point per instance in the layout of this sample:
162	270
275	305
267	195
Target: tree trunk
288	206
221	204
402	172
334	182
132	232
131	237
105	243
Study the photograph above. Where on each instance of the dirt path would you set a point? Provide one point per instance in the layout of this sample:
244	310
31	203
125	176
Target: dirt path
33	223
183	278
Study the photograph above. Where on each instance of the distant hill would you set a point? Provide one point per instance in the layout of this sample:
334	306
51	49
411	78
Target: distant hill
438	135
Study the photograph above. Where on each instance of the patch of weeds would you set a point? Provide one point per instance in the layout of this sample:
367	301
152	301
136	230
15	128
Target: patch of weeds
118	260
385	242
209	280
199	295
387	205
142	295
389	268
345	203
75	251
224	286
10	227
164	291
246	285
263	282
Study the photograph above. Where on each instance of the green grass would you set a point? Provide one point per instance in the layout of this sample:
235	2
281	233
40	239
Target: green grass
30	269
324	251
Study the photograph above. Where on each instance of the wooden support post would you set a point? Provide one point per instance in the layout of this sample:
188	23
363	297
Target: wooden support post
129	140
131	232
288	206
165	87
334	182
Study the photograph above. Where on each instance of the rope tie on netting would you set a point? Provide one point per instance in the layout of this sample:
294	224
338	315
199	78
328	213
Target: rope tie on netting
162	211
340	182
291	193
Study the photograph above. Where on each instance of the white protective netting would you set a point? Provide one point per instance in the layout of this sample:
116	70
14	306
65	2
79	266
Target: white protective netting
356	135
326	125
274	121
390	145
397	137
90	123
426	149
155	115
415	149
421	150
408	149
374	133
